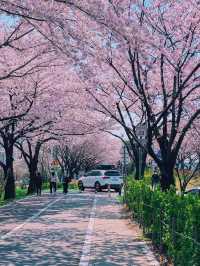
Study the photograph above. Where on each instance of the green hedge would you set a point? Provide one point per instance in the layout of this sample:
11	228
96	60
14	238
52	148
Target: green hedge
171	221
72	185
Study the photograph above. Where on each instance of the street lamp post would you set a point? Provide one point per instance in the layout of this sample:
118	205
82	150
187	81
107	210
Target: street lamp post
124	161
141	136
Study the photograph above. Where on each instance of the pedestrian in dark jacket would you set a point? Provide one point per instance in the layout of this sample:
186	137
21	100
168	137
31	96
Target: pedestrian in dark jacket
38	183
65	181
155	180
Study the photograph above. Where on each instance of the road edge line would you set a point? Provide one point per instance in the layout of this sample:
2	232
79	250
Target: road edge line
3	237
85	256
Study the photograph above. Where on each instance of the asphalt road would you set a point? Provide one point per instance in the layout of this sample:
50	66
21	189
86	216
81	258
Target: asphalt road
77	229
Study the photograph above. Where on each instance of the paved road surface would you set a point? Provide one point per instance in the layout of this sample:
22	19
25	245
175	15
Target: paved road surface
78	229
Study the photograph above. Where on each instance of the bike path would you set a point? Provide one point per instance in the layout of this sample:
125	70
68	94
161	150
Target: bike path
117	240
80	229
54	237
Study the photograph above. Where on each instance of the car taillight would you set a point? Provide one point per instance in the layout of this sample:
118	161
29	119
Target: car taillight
105	177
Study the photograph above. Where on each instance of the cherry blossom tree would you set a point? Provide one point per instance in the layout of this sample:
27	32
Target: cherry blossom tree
156	59
84	153
30	150
20	84
55	111
188	159
155	56
151	49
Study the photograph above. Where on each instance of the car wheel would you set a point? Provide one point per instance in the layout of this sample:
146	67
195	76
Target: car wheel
80	186
97	187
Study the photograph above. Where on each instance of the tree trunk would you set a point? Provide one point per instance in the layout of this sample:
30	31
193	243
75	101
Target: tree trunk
32	165
71	173
183	187
167	176
140	164
144	157
32	175
136	169
9	175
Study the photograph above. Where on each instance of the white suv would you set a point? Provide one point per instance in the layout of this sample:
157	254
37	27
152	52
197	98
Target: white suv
100	179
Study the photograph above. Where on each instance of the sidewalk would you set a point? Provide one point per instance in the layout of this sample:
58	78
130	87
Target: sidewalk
116	240
79	229
44	231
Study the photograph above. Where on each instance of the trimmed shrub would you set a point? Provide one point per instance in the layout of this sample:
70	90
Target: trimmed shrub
170	220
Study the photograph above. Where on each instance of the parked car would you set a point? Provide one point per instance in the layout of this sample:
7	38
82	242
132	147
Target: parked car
193	191
100	179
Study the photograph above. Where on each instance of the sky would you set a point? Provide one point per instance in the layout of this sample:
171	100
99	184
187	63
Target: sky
8	20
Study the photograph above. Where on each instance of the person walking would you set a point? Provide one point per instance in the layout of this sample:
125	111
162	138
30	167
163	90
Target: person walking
38	184
155	180
65	182
53	183
120	190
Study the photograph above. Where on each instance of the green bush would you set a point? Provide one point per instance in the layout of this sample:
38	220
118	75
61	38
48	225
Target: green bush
20	193
171	221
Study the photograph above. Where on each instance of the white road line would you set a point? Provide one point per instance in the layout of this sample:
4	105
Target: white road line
12	203
28	220
85	257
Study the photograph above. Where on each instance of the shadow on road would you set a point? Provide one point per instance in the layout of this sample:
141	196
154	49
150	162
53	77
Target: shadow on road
116	241
55	238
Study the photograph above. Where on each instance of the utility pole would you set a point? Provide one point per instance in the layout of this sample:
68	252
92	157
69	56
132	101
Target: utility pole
124	161
141	132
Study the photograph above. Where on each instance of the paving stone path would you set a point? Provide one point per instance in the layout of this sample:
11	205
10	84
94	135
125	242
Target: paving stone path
78	229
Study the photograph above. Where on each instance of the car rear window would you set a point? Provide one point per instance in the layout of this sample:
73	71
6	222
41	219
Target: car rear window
96	173
112	173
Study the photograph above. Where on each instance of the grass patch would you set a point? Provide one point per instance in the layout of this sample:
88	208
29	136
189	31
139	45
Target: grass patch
22	192
73	185
195	182
120	199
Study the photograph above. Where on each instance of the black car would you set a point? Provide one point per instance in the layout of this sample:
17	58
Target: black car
193	191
